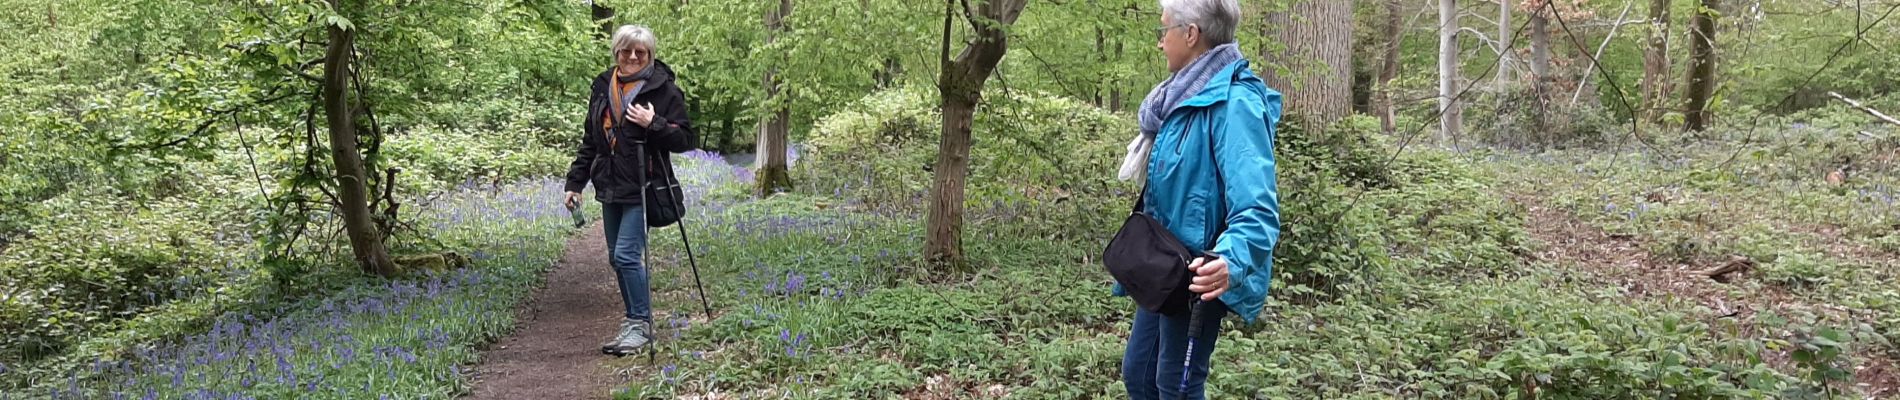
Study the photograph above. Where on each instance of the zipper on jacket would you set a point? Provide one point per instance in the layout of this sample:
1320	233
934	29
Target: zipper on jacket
1182	144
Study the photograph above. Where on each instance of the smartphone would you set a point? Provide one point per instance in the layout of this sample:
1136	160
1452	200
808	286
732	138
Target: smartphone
580	219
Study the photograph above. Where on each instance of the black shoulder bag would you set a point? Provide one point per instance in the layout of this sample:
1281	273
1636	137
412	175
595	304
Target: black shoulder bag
1150	262
665	201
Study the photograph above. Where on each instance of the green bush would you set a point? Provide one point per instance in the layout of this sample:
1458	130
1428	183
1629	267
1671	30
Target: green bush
104	260
133	246
1340	189
1514	118
1024	146
437	158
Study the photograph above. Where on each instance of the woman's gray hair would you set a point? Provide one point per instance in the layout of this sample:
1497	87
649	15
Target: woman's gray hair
1216	18
629	35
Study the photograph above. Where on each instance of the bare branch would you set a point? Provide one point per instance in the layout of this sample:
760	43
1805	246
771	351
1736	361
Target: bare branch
1599	54
1864	108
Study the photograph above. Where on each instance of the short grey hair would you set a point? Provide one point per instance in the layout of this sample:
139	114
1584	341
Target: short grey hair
1216	18
629	35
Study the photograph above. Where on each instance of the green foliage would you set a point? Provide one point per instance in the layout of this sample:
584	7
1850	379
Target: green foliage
1330	241
1490	339
107	261
1028	146
373	336
1514	118
431	156
1760	193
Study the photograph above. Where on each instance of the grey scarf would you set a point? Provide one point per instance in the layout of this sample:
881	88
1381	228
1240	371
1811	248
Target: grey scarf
642	76
1167	96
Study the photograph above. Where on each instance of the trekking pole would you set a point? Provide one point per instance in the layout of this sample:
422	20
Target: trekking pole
1194	331
690	260
695	266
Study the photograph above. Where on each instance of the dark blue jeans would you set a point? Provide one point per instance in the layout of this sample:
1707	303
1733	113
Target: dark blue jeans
1151	367
626	227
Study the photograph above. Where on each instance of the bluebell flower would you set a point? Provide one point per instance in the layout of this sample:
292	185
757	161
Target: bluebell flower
794	283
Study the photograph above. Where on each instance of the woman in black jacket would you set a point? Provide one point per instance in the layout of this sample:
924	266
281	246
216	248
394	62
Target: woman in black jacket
636	115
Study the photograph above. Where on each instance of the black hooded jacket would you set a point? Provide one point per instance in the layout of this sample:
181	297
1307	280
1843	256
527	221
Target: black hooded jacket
613	168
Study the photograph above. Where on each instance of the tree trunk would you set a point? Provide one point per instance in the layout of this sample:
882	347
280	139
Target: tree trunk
1318	59
1389	66
1096	94
725	130
772	174
604	16
1655	86
1701	67
960	85
1452	121
1540	50
1115	94
366	243
1504	44
887	75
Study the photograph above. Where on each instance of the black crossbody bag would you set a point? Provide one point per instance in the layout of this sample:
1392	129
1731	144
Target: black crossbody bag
1150	262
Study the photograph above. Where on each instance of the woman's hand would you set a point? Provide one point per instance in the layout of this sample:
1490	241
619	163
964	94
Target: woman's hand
1210	278
572	200
641	114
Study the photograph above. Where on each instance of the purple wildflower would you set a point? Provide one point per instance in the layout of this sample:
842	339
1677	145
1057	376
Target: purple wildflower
794	282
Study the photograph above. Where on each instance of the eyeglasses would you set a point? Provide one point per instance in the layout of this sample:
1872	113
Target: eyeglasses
1162	32
629	52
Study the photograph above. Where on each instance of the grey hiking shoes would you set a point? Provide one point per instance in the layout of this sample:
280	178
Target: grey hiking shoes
634	334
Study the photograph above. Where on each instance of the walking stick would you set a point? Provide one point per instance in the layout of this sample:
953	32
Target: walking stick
1194	332
695	266
691	261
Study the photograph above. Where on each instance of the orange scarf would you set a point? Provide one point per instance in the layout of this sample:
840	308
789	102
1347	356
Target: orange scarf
614	110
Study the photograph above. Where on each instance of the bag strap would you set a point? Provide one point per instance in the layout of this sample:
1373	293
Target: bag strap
1220	184
614	109
618	104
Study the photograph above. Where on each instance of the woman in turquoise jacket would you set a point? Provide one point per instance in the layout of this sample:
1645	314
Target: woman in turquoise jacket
1205	155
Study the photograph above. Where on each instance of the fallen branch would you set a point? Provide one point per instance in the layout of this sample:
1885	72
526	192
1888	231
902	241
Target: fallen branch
1734	264
1868	110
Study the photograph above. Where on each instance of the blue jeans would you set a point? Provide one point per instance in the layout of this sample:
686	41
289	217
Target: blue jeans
626	227
1151	367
